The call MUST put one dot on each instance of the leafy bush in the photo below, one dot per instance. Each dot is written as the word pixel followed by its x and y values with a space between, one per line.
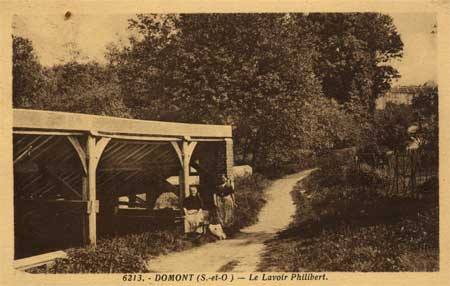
pixel 250 200
pixel 425 105
pixel 103 259
pixel 124 254
pixel 364 175
pixel 430 186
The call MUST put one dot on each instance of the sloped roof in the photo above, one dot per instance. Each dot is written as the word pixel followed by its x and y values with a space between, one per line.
pixel 47 166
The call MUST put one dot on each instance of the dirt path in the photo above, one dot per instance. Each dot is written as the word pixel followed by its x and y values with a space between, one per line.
pixel 242 253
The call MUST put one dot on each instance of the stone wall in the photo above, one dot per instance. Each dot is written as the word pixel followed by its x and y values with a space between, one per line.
pixel 214 159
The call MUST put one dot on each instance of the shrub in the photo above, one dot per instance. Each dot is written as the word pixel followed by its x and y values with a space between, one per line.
pixel 109 258
pixel 250 200
pixel 296 161
pixel 429 186
pixel 125 254
pixel 363 175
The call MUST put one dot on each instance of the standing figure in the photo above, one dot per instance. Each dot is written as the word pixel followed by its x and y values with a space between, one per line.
pixel 224 201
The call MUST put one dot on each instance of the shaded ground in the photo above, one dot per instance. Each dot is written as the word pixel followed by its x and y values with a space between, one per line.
pixel 343 227
pixel 241 253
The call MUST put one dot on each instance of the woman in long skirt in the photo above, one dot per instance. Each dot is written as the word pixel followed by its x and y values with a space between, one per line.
pixel 224 201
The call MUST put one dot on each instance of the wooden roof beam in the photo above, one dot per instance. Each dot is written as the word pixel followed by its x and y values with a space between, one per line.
pixel 126 157
pixel 63 121
pixel 46 132
pixel 43 150
pixel 60 181
pixel 147 152
pixel 28 147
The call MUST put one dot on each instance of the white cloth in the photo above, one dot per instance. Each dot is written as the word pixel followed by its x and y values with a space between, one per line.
pixel 167 200
pixel 194 220
pixel 217 230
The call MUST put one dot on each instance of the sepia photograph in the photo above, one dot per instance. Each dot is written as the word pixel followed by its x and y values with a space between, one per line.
pixel 239 142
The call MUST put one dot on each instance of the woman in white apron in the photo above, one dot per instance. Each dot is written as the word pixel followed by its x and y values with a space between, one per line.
pixel 225 202
pixel 194 219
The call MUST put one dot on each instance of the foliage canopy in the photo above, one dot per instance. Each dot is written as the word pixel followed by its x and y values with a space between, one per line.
pixel 286 82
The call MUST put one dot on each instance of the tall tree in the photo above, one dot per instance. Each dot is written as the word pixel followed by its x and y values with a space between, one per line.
pixel 254 71
pixel 28 78
pixel 354 54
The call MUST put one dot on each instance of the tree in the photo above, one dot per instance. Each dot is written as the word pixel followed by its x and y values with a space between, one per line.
pixel 354 52
pixel 254 71
pixel 83 87
pixel 265 74
pixel 391 127
pixel 262 73
pixel 425 105
pixel 28 78
pixel 72 86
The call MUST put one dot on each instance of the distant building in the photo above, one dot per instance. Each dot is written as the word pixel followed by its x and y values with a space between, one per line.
pixel 397 95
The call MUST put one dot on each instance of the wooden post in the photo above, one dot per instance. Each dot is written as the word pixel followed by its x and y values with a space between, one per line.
pixel 132 200
pixel 81 151
pixel 84 217
pixel 186 160
pixel 91 190
pixel 181 187
pixel 229 156
pixel 94 151
pixel 149 200
pixel 179 153
pixel 184 156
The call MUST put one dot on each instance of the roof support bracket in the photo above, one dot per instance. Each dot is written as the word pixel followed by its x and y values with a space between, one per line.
pixel 178 151
pixel 100 146
pixel 80 152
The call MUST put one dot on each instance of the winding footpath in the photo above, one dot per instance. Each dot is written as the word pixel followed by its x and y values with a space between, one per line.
pixel 243 252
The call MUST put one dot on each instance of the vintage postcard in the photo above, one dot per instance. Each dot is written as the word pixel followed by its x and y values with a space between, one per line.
pixel 224 143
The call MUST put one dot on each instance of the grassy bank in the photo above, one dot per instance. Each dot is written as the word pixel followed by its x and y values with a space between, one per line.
pixel 250 200
pixel 134 252
pixel 342 226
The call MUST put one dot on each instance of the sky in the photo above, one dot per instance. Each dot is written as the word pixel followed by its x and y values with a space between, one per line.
pixel 419 61
pixel 92 34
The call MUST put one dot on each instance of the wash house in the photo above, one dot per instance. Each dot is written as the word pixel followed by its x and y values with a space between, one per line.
pixel 71 171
